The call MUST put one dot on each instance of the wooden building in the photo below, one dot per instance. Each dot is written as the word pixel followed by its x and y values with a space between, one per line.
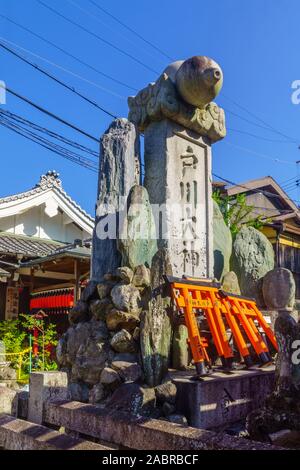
pixel 45 245
pixel 281 216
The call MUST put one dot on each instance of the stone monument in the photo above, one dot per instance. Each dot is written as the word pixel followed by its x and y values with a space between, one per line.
pixel 180 124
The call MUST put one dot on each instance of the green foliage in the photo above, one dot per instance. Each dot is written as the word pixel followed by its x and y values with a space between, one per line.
pixel 237 212
pixel 15 336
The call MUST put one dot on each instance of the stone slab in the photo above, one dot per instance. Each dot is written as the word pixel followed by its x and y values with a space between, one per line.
pixel 45 386
pixel 141 433
pixel 178 181
pixel 16 434
pixel 220 399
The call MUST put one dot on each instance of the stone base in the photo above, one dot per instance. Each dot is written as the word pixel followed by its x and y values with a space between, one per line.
pixel 220 399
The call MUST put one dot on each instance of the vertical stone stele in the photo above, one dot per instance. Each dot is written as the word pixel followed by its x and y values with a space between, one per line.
pixel 180 123
pixel 119 170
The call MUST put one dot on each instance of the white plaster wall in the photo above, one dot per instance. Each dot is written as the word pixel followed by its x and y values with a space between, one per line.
pixel 35 222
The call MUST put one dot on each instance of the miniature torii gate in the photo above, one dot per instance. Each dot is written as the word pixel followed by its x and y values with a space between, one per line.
pixel 220 308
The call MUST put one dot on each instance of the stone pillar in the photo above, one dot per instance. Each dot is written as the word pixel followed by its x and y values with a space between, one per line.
pixel 119 170
pixel 43 386
pixel 179 163
pixel 180 124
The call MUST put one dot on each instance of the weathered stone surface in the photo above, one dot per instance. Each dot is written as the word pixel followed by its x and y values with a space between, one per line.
pixel 155 336
pixel 109 377
pixel 166 392
pixel 180 349
pixel 104 289
pixel 118 320
pixel 128 371
pixel 8 401
pixel 133 399
pixel 43 386
pixel 222 243
pixel 125 357
pixel 136 334
pixel 118 172
pixel 178 162
pixel 123 342
pixel 168 408
pixel 79 391
pixel 279 289
pixel 142 276
pixel 137 241
pixel 125 274
pixel 97 394
pixel 178 419
pixel 79 313
pixel 126 298
pixel 287 332
pixel 230 283
pixel 84 349
pixel 8 375
pixel 90 292
pixel 100 308
pixel 252 258
pixel 199 80
pixel 18 434
pixel 142 434
pixel 161 100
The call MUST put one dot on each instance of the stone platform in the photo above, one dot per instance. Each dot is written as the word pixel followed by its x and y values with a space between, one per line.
pixel 221 399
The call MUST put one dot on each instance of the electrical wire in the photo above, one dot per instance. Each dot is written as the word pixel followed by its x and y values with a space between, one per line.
pixel 132 31
pixel 57 80
pixel 49 145
pixel 50 114
pixel 96 36
pixel 114 31
pixel 72 143
pixel 82 62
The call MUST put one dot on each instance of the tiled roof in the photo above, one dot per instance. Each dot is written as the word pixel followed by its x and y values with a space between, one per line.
pixel 27 246
pixel 48 181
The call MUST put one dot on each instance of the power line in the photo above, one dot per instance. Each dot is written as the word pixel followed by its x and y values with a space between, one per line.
pixel 72 143
pixel 82 62
pixel 68 152
pixel 54 116
pixel 258 136
pixel 258 118
pixel 261 155
pixel 57 80
pixel 100 21
pixel 91 33
pixel 146 41
pixel 65 153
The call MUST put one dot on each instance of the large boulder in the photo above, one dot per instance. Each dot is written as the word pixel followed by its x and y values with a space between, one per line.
pixel 79 313
pixel 118 320
pixel 128 371
pixel 126 298
pixel 84 349
pixel 133 399
pixel 279 289
pixel 222 243
pixel 137 241
pixel 252 258
pixel 122 342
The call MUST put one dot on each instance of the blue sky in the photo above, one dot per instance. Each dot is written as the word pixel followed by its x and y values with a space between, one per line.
pixel 256 43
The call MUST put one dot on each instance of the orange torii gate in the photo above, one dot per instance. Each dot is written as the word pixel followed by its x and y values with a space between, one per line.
pixel 222 310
